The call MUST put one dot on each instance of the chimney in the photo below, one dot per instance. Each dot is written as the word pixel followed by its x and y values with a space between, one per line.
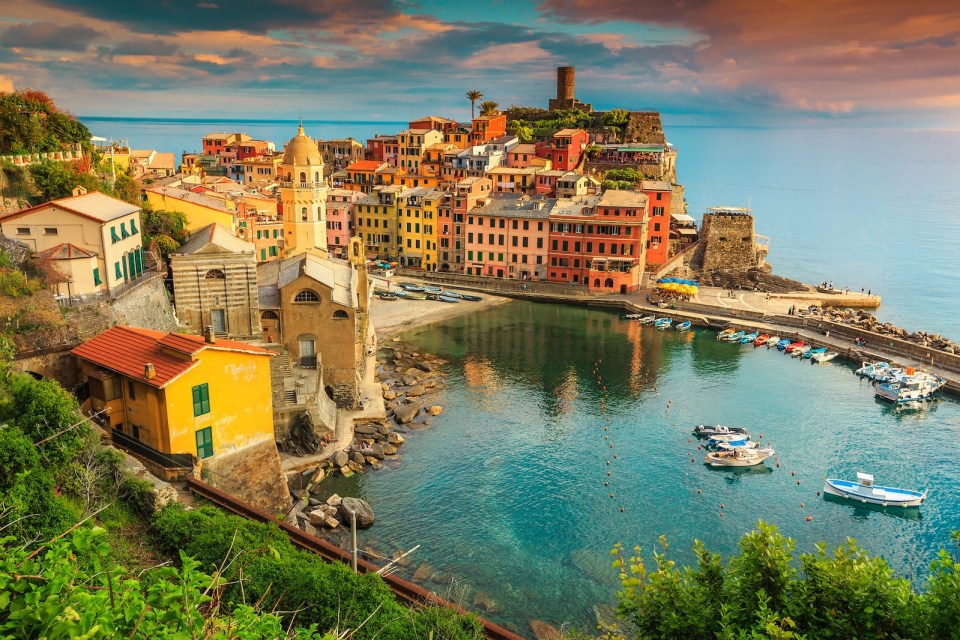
pixel 149 373
pixel 208 336
pixel 78 191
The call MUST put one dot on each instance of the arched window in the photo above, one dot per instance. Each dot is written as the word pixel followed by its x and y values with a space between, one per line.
pixel 596 283
pixel 289 177
pixel 306 296
pixel 316 176
pixel 340 313
pixel 303 176
pixel 215 274
pixel 269 315
pixel 303 214
pixel 608 283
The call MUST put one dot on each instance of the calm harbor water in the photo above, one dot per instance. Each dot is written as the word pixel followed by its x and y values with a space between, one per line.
pixel 506 491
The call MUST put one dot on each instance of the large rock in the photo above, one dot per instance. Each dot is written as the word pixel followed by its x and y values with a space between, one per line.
pixel 435 410
pixel 389 394
pixel 544 631
pixel 404 413
pixel 340 459
pixel 424 366
pixel 423 573
pixel 357 457
pixel 334 500
pixel 361 508
pixel 389 450
pixel 395 439
pixel 365 429
pixel 416 391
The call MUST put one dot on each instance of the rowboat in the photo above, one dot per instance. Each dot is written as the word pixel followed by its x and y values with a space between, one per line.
pixel 738 457
pixel 452 294
pixel 633 316
pixel 748 338
pixel 734 337
pixel 820 358
pixel 783 344
pixel 648 319
pixel 812 352
pixel 761 339
pixel 726 333
pixel 409 286
pixel 471 298
pixel 431 289
pixel 799 352
pixel 663 323
pixel 683 326
pixel 705 430
pixel 772 341
pixel 863 490
pixel 793 346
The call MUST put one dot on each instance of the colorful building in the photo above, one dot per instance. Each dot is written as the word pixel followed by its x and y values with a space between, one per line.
pixel 94 239
pixel 487 128
pixel 599 242
pixel 418 211
pixel 452 212
pixel 659 195
pixel 411 144
pixel 303 197
pixel 338 154
pixel 364 175
pixel 521 180
pixel 199 209
pixel 340 219
pixel 262 168
pixel 565 149
pixel 376 147
pixel 506 236
pixel 377 218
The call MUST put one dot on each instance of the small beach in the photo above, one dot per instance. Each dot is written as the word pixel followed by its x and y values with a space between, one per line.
pixel 390 317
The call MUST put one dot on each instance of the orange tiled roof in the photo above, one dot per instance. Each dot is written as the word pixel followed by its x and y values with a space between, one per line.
pixel 364 165
pixel 127 349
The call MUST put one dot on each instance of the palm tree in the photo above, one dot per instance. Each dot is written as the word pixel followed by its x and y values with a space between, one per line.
pixel 488 107
pixel 473 95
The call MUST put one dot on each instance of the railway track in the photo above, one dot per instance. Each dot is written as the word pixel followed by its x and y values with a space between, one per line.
pixel 410 593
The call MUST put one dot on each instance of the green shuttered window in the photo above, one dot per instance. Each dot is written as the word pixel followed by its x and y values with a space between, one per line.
pixel 201 400
pixel 205 442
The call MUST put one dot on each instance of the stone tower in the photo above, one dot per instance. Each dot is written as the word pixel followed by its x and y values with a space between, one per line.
pixel 728 239
pixel 566 98
pixel 303 194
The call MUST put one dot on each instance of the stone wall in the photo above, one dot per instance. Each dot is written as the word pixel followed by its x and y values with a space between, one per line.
pixel 235 294
pixel 728 242
pixel 146 306
pixel 252 474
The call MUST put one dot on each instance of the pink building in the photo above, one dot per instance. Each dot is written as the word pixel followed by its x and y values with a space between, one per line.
pixel 340 225
pixel 547 182
pixel 451 216
pixel 566 148
pixel 506 237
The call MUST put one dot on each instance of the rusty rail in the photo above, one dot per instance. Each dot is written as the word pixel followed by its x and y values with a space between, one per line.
pixel 408 592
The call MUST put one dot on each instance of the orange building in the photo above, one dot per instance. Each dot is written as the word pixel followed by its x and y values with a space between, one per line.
pixel 659 194
pixel 487 128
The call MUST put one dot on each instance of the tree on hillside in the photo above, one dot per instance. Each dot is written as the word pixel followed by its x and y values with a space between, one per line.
pixel 30 122
pixel 488 107
pixel 522 129
pixel 473 95
pixel 167 228
pixel 58 179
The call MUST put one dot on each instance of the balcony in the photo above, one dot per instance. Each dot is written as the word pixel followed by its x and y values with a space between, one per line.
pixel 302 185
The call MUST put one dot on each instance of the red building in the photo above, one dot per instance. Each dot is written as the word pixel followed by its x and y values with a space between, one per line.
pixel 487 128
pixel 659 194
pixel 599 242
pixel 565 150
pixel 376 147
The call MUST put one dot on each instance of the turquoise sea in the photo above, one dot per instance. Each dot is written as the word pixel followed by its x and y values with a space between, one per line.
pixel 506 490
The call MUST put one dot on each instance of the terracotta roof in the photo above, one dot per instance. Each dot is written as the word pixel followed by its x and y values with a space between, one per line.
pixel 364 165
pixel 64 251
pixel 127 349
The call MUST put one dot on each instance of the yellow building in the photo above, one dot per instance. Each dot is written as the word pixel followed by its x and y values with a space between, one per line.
pixel 200 209
pixel 411 145
pixel 171 397
pixel 417 227
pixel 376 218
pixel 303 195
pixel 93 239
pixel 262 168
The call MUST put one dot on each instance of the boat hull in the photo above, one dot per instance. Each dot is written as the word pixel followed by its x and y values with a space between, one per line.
pixel 738 458
pixel 883 496
pixel 704 430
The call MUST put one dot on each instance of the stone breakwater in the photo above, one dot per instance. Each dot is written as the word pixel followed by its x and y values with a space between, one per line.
pixel 868 322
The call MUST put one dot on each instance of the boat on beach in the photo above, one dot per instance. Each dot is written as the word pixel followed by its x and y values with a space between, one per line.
pixel 683 326
pixel 706 430
pixel 738 457
pixel 410 286
pixel 863 490
pixel 432 289
pixel 471 298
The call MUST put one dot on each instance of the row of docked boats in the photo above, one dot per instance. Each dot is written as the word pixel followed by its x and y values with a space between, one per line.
pixel 663 322
pixel 732 447
pixel 796 348
pixel 412 291
pixel 901 384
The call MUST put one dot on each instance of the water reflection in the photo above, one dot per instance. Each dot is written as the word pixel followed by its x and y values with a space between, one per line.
pixel 862 511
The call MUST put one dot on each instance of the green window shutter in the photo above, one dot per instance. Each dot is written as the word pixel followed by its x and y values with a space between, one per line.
pixel 259 233
pixel 201 400
pixel 263 254
pixel 133 227
pixel 113 234
pixel 204 442
pixel 123 230
pixel 276 233
pixel 116 267
pixel 469 255
pixel 96 276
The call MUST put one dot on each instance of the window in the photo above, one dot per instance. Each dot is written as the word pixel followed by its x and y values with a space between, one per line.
pixel 52 231
pixel 205 443
pixel 273 251
pixel 23 231
pixel 215 274
pixel 306 295
pixel 201 399
pixel 303 214
pixel 263 254
pixel 340 314
pixel 132 389
pixel 116 268
pixel 96 276
pixel 539 243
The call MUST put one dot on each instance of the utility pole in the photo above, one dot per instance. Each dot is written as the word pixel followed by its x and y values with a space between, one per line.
pixel 353 536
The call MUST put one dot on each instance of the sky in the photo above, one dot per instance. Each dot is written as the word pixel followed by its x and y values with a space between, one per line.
pixel 877 63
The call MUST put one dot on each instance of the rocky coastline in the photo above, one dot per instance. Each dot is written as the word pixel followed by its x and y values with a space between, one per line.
pixel 868 322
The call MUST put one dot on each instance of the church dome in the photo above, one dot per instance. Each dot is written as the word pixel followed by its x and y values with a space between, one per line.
pixel 302 150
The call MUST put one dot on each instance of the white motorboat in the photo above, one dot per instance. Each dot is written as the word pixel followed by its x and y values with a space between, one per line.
pixel 633 316
pixel 738 457
pixel 648 319
pixel 869 369
pixel 910 387
pixel 863 490
pixel 827 356
pixel 772 341
pixel 708 431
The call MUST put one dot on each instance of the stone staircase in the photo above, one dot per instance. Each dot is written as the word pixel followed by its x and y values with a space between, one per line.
pixel 280 370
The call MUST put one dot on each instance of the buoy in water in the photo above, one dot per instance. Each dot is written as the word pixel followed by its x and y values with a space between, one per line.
pixel 809 518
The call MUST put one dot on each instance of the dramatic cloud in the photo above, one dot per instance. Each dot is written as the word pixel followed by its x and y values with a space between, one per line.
pixel 46 35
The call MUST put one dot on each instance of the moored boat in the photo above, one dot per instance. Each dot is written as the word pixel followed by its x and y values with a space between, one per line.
pixel 793 346
pixel 869 369
pixel 725 333
pixel 452 294
pixel 706 430
pixel 910 387
pixel 772 341
pixel 663 323
pixel 432 289
pixel 683 326
pixel 820 358
pixel 471 298
pixel 812 352
pixel 648 319
pixel 734 337
pixel 730 441
pixel 863 490
pixel 783 344
pixel 738 457
pixel 747 338
pixel 799 352
pixel 761 339
pixel 410 286
pixel 633 316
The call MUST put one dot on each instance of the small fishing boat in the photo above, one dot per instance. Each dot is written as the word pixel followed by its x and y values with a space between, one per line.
pixel 663 323
pixel 738 457
pixel 452 294
pixel 648 319
pixel 734 337
pixel 783 344
pixel 793 346
pixel 772 341
pixel 683 326
pixel 870 369
pixel 726 333
pixel 414 295
pixel 820 358
pixel 471 297
pixel 863 490
pixel 633 316
pixel 761 339
pixel 706 430
pixel 748 338
pixel 812 352
pixel 910 387
pixel 443 297
pixel 799 352
pixel 387 296
pixel 717 442
pixel 431 289
pixel 410 286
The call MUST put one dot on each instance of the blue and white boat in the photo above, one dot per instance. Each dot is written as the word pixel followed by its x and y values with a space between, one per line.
pixel 728 441
pixel 812 352
pixel 432 289
pixel 910 387
pixel 663 323
pixel 734 337
pixel 452 294
pixel 863 490
pixel 821 358
pixel 707 430
pixel 410 286
pixel 870 369
pixel 783 344
pixel 633 316
pixel 748 338
pixel 683 326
